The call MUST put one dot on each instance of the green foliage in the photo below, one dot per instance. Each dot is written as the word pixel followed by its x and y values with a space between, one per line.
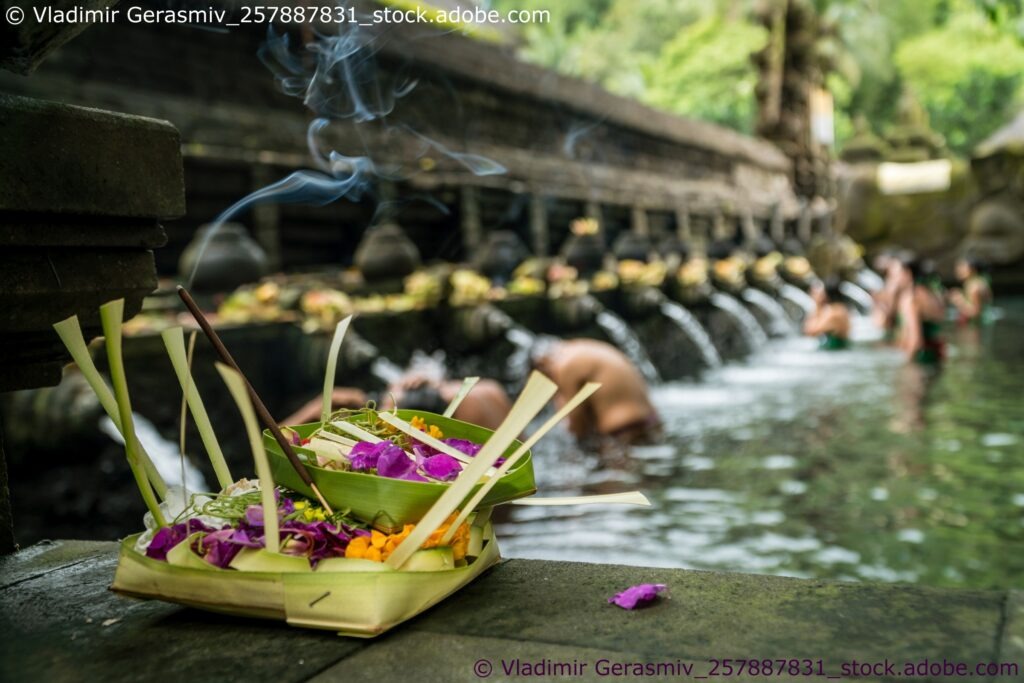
pixel 967 75
pixel 959 58
pixel 705 72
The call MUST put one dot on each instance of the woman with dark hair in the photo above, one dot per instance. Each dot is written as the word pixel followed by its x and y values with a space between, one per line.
pixel 830 322
pixel 921 313
pixel 975 295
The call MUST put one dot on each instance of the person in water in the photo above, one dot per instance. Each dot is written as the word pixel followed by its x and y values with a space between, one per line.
pixel 621 409
pixel 830 322
pixel 486 405
pixel 884 313
pixel 341 397
pixel 974 295
pixel 921 313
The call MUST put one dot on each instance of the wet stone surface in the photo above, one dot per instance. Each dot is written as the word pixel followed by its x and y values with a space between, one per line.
pixel 61 623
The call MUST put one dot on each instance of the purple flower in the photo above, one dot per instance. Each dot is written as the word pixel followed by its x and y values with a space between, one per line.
pixel 441 466
pixel 364 455
pixel 395 464
pixel 464 445
pixel 254 515
pixel 637 596
pixel 170 536
pixel 220 547
pixel 317 540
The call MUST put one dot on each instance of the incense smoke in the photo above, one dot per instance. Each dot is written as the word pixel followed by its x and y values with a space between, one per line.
pixel 338 80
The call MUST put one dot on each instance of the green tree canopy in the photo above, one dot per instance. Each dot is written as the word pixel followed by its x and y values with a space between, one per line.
pixel 961 59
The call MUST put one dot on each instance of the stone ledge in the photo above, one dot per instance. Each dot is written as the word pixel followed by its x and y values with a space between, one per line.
pixel 62 623
pixel 74 160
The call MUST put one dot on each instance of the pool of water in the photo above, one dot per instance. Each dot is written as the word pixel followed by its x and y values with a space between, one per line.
pixel 798 462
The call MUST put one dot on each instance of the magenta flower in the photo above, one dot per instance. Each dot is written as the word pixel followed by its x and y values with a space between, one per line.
pixel 464 445
pixel 442 467
pixel 170 536
pixel 395 464
pixel 637 596
pixel 364 455
pixel 220 547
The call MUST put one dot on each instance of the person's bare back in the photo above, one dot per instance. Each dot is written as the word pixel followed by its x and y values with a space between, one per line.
pixel 620 407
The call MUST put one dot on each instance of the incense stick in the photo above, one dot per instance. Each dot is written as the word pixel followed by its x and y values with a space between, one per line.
pixel 237 386
pixel 539 389
pixel 570 405
pixel 261 410
pixel 332 368
pixel 467 386
pixel 174 341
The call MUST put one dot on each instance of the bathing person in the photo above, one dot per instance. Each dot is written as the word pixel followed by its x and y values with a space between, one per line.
pixel 975 294
pixel 884 313
pixel 921 313
pixel 830 322
pixel 342 397
pixel 487 404
pixel 621 409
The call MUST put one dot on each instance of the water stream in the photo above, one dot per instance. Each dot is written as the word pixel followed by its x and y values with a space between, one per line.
pixel 385 370
pixel 623 336
pixel 751 330
pixel 869 280
pixel 166 454
pixel 518 362
pixel 780 323
pixel 857 295
pixel 691 327
pixel 798 297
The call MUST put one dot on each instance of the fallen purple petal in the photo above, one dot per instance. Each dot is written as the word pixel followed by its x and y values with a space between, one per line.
pixel 637 596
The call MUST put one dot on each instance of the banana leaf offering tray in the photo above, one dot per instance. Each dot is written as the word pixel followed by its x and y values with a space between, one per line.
pixel 355 523
pixel 348 471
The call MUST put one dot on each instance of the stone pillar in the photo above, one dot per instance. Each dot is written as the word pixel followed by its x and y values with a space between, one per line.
pixel 684 228
pixel 750 230
pixel 719 226
pixel 472 227
pixel 592 209
pixel 639 222
pixel 778 225
pixel 805 223
pixel 266 220
pixel 540 236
